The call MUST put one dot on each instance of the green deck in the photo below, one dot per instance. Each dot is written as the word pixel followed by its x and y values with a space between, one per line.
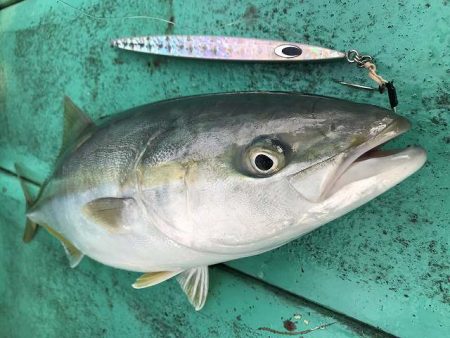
pixel 383 269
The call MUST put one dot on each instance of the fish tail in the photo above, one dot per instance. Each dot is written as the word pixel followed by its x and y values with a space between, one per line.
pixel 30 226
pixel 30 230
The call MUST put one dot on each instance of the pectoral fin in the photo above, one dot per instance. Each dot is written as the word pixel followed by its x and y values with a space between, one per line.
pixel 195 284
pixel 73 254
pixel 109 212
pixel 153 278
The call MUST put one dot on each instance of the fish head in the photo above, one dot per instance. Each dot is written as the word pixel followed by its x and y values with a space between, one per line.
pixel 279 169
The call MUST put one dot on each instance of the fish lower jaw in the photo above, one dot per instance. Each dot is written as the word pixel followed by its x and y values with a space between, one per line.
pixel 367 151
pixel 367 178
pixel 361 182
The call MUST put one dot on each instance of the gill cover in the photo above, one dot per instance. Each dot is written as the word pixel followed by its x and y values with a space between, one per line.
pixel 212 206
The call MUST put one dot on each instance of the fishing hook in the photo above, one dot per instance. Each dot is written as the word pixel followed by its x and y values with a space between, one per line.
pixel 366 61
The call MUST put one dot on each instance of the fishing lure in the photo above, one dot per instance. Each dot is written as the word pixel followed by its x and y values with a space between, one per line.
pixel 247 49
pixel 226 48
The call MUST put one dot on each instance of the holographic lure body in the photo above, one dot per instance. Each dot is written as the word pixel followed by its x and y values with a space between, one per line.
pixel 226 48
pixel 252 50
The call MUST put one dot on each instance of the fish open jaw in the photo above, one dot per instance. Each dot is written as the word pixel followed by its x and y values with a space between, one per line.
pixel 368 160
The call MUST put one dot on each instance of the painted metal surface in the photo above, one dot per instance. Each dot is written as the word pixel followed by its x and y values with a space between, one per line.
pixel 7 3
pixel 226 48
pixel 385 264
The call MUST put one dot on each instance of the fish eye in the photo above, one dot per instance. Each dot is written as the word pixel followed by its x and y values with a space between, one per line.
pixel 264 162
pixel 265 157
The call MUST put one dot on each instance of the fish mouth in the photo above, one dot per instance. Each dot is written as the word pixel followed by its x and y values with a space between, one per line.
pixel 368 160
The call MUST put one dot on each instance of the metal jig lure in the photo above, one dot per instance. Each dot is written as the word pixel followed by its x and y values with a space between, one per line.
pixel 246 49
pixel 226 48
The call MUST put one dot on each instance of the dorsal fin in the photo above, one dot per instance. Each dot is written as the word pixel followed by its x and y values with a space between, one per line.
pixel 75 122
pixel 109 212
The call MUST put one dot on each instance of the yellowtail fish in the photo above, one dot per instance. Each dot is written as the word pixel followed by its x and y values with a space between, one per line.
pixel 169 188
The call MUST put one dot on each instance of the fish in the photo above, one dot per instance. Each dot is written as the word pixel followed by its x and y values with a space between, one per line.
pixel 226 48
pixel 169 188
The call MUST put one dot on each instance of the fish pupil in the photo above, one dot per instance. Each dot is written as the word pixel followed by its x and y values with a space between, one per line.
pixel 263 162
